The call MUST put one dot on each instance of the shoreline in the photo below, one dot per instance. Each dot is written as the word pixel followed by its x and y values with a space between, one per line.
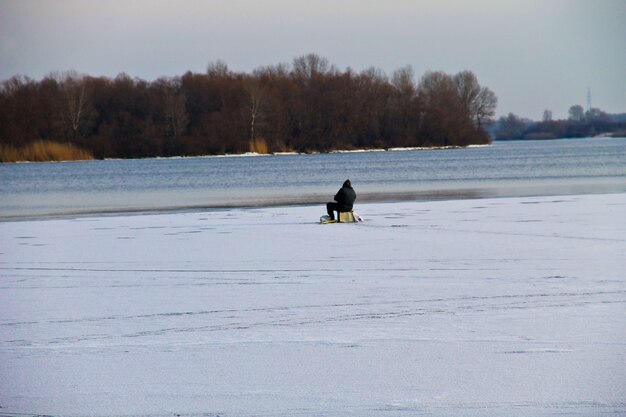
pixel 256 154
pixel 330 152
pixel 365 199
pixel 335 151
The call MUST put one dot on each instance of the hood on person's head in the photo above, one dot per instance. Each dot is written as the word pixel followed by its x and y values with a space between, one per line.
pixel 347 183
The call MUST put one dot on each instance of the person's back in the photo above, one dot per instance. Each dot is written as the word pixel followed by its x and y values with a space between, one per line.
pixel 345 198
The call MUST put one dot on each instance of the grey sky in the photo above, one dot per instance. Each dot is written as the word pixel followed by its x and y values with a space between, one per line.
pixel 534 54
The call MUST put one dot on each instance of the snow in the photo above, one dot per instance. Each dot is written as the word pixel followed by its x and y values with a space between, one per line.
pixel 451 308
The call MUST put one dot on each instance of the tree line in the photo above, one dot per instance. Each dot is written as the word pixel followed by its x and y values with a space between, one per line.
pixel 308 106
pixel 579 124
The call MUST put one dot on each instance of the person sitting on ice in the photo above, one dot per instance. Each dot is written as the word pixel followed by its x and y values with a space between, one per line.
pixel 344 199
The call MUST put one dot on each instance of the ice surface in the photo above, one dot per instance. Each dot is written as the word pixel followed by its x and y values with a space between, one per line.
pixel 499 307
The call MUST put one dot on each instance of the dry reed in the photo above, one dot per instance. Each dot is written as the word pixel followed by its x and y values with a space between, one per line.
pixel 259 145
pixel 43 151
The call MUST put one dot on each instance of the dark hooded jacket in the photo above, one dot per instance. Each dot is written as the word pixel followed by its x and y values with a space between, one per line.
pixel 346 196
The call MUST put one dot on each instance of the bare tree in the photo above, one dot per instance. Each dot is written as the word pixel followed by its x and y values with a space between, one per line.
pixel 176 114
pixel 596 115
pixel 307 66
pixel 272 71
pixel 403 80
pixel 510 127
pixel 14 84
pixel 403 109
pixel 485 108
pixel 479 102
pixel 443 117
pixel 433 83
pixel 174 109
pixel 76 96
pixel 217 68
pixel 547 116
pixel 376 75
pixel 255 94
pixel 577 113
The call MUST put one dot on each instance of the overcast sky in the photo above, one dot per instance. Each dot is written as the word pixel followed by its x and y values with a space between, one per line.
pixel 534 54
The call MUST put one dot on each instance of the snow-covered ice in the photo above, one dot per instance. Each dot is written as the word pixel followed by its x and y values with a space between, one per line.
pixel 495 307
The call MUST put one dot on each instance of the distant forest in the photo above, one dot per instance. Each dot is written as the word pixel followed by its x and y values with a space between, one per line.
pixel 579 124
pixel 308 106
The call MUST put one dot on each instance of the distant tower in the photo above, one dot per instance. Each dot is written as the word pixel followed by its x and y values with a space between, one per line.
pixel 588 99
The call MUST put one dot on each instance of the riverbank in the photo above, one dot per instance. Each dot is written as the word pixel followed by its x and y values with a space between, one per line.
pixel 489 307
pixel 56 152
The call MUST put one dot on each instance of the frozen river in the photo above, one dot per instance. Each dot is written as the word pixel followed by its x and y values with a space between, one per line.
pixel 489 307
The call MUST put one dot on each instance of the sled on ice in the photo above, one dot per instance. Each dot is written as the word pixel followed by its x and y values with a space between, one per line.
pixel 344 217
